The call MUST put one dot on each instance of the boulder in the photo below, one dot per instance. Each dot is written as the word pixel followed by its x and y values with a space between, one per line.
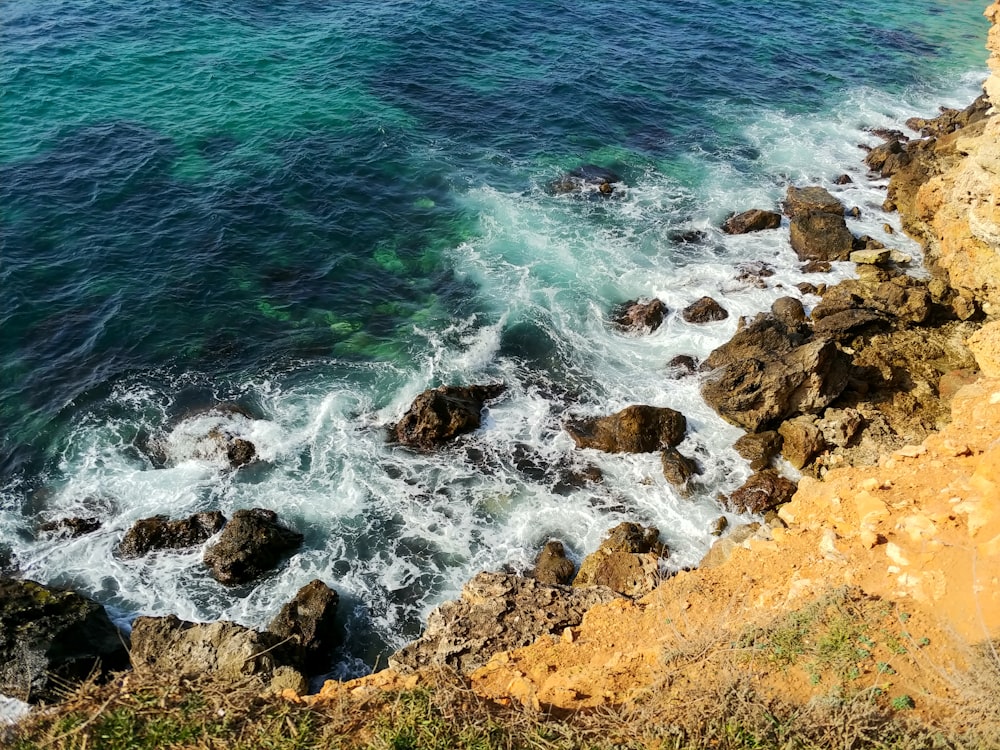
pixel 817 235
pixel 844 179
pixel 588 179
pixel 168 645
pixel 758 393
pixel 50 637
pixel 627 562
pixel 789 312
pixel 814 198
pixel 159 532
pixel 802 441
pixel 873 257
pixel 637 316
pixel 754 220
pixel 762 492
pixel 552 566
pixel 69 528
pixel 308 620
pixel 441 414
pixel 251 544
pixel 681 365
pixel 847 323
pixel 496 612
pixel 759 448
pixel 704 310
pixel 888 158
pixel 635 429
pixel 677 468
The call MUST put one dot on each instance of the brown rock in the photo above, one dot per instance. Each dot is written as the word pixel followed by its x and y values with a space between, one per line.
pixel 159 532
pixel 840 426
pixel 762 492
pixel 817 235
pixel 722 550
pixel 626 562
pixel 70 528
pixel 552 566
pixel 802 441
pixel 681 365
pixel 251 544
pixel 844 179
pixel 635 429
pixel 759 448
pixel 704 310
pixel 789 312
pixel 677 468
pixel 439 415
pixel 636 316
pixel 754 220
pixel 816 266
pixel 800 201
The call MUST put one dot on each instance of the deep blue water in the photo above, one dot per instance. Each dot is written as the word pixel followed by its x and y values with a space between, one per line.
pixel 319 209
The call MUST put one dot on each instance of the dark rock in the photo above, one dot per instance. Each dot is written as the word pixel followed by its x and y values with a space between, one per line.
pixel 806 288
pixel 635 429
pixel 754 273
pixel 636 316
pixel 844 179
pixel 308 620
pixel 552 566
pixel 816 266
pixel 570 479
pixel 812 199
pixel 497 612
pixel 70 528
pixel 168 645
pixel 682 364
pixel 587 178
pixel 441 414
pixel 754 220
pixel 626 562
pixel 802 441
pixel 816 235
pixel 677 468
pixel 888 158
pixel 719 525
pixel 687 236
pixel 762 492
pixel 251 544
pixel 789 312
pixel 704 310
pixel 854 212
pixel 759 448
pixel 847 323
pixel 50 637
pixel 240 452
pixel 159 532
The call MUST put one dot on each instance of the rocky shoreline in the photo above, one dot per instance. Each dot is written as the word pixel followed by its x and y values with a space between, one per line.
pixel 885 396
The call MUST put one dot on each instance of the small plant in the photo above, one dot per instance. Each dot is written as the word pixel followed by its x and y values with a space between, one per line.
pixel 885 668
pixel 902 703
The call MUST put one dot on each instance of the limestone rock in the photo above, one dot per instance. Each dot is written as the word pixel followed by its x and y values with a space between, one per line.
pixel 677 468
pixel 635 429
pixel 813 198
pixel 49 637
pixel 251 544
pixel 802 441
pixel 763 491
pixel 704 310
pixel 496 612
pixel 159 532
pixel 309 621
pixel 754 220
pixel 441 414
pixel 985 347
pixel 822 236
pixel 722 549
pixel 626 562
pixel 759 448
pixel 874 257
pixel 552 566
pixel 636 316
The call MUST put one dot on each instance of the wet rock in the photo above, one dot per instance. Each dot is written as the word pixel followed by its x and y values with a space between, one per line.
pixel 169 645
pixel 762 492
pixel 802 441
pixel 496 612
pixel 817 235
pixel 754 220
pixel 704 310
pixel 626 562
pixel 587 179
pixel 812 199
pixel 806 288
pixel 441 414
pixel 888 158
pixel 681 365
pixel 552 566
pixel 754 273
pixel 844 179
pixel 69 528
pixel 677 468
pixel 950 119
pixel 50 637
pixel 635 429
pixel 159 532
pixel 240 452
pixel 759 448
pixel 216 433
pixel 789 312
pixel 637 316
pixel 816 266
pixel 719 525
pixel 250 545
pixel 308 621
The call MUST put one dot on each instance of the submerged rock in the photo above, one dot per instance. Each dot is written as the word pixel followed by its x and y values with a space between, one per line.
pixel 441 414
pixel 70 528
pixel 159 532
pixel 635 429
pixel 50 637
pixel 588 179
pixel 251 544
pixel 636 316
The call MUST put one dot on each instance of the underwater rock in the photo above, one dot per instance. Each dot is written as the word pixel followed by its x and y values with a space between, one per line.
pixel 587 178
pixel 636 316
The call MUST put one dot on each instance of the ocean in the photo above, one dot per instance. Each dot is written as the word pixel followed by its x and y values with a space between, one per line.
pixel 318 210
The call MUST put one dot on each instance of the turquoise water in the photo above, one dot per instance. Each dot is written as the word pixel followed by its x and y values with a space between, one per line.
pixel 319 209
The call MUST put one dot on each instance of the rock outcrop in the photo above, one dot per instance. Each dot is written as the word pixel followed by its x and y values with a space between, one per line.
pixel 439 415
pixel 754 220
pixel 309 622
pixel 552 566
pixel 627 562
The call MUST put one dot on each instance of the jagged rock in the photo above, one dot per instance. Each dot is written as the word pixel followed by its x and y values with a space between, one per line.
pixel 762 492
pixel 49 637
pixel 753 273
pixel 169 645
pixel 719 525
pixel 888 158
pixel 822 236
pixel 704 310
pixel 839 426
pixel 496 612
pixel 846 323
pixel 844 179
pixel 635 429
pixel 762 338
pixel 789 312
pixel 308 620
pixel 816 266
pixel 802 441
pixel 806 288
pixel 677 468
pixel 873 257
pixel 636 316
pixel 552 566
pixel 757 393
pixel 681 365
pixel 950 119
pixel 588 179
pixel 216 433
pixel 251 544
pixel 159 532
pixel 626 562
pixel 754 220
pixel 70 528
pixel 441 414
pixel 814 198
pixel 759 448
